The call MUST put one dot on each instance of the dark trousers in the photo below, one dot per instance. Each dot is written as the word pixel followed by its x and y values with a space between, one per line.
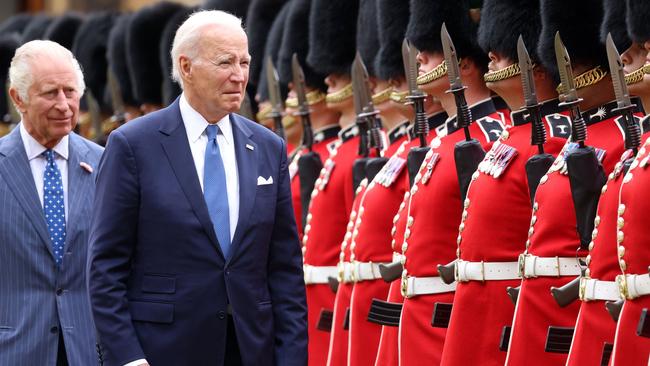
pixel 233 356
pixel 61 357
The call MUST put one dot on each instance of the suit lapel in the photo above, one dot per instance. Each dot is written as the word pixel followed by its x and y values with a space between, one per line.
pixel 15 169
pixel 247 170
pixel 80 185
pixel 174 142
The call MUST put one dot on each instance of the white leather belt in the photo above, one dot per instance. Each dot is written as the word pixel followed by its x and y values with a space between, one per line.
pixel 486 271
pixel 345 272
pixel 315 275
pixel 415 286
pixel 531 266
pixel 398 257
pixel 366 271
pixel 633 286
pixel 593 289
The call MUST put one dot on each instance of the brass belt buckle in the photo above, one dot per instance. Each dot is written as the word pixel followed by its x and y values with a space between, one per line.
pixel 621 281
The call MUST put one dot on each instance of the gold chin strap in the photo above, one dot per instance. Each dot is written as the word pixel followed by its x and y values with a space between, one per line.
pixel 382 96
pixel 264 113
pixel 339 96
pixel 506 73
pixel 435 74
pixel 586 79
pixel 399 97
pixel 313 97
pixel 637 75
pixel 288 121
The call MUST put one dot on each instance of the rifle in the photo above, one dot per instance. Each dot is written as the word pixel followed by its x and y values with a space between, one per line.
pixel 274 95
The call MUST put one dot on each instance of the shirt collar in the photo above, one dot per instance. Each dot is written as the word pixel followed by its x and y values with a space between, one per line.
pixel 34 149
pixel 195 124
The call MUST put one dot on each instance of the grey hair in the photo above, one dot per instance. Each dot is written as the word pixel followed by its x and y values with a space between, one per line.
pixel 188 35
pixel 20 70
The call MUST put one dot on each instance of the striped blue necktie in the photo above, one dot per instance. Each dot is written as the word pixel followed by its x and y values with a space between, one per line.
pixel 53 206
pixel 215 191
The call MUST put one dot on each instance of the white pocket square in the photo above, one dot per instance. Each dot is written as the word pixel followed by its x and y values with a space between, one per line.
pixel 262 182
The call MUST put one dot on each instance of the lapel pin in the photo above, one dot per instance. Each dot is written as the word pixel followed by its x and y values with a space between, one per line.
pixel 86 167
pixel 250 147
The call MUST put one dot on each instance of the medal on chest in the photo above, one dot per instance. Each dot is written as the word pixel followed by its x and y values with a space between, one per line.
pixel 497 160
pixel 560 162
pixel 389 173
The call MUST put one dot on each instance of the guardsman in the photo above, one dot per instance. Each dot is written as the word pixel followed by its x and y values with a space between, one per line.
pixel 497 208
pixel 370 245
pixel 632 340
pixel 331 51
pixel 427 225
pixel 542 328
pixel 323 121
pixel 142 44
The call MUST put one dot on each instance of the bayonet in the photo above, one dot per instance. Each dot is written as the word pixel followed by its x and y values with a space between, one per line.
pixel 538 134
pixel 95 116
pixel 274 96
pixel 463 113
pixel 409 58
pixel 303 104
pixel 624 104
pixel 361 88
pixel 569 94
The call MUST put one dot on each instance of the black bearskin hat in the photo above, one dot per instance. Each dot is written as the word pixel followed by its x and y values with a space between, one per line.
pixel 8 44
pixel 425 23
pixel 392 20
pixel 502 21
pixel 15 24
pixel 637 20
pixel 116 54
pixel 142 45
pixel 261 14
pixel 89 48
pixel 578 22
pixel 36 28
pixel 614 23
pixel 367 39
pixel 237 8
pixel 272 47
pixel 332 30
pixel 63 29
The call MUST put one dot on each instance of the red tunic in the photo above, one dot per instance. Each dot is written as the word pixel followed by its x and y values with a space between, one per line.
pixel 634 249
pixel 371 242
pixel 430 226
pixel 493 229
pixel 322 139
pixel 388 350
pixel 329 212
pixel 554 234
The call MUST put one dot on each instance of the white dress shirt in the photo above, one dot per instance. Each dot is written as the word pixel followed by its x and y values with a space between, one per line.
pixel 195 126
pixel 38 162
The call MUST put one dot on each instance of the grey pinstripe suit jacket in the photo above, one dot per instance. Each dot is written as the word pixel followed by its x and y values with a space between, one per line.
pixel 30 305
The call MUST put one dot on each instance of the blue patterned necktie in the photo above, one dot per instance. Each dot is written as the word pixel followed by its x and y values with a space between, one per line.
pixel 215 190
pixel 53 206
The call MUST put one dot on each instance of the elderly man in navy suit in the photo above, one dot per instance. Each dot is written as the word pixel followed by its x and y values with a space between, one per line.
pixel 194 254
pixel 47 182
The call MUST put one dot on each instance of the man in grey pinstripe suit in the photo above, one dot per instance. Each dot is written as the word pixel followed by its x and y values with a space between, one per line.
pixel 47 184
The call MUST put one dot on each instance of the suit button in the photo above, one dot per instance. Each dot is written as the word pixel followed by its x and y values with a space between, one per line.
pixel 54 329
pixel 59 291
pixel 222 315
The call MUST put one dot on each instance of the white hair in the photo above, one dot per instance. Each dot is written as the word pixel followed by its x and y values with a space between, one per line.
pixel 188 35
pixel 20 70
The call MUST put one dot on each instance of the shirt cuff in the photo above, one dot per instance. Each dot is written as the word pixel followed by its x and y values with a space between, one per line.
pixel 136 362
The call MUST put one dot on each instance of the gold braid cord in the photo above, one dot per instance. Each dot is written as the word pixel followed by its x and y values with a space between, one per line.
pixel 435 74
pixel 506 73
pixel 586 79
pixel 288 121
pixel 399 97
pixel 339 96
pixel 382 96
pixel 313 97
pixel 635 76
pixel 264 113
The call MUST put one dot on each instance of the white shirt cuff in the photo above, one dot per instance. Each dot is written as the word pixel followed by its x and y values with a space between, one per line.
pixel 136 362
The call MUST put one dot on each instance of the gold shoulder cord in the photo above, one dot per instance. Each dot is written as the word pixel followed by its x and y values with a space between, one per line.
pixel 586 79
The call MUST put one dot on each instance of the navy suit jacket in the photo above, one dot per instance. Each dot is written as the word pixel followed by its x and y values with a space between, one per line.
pixel 158 281
pixel 36 296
